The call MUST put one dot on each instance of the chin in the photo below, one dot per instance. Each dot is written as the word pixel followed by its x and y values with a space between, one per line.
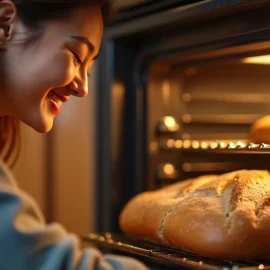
pixel 42 129
pixel 40 125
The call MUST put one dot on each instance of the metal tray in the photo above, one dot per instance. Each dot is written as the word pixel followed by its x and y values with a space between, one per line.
pixel 169 256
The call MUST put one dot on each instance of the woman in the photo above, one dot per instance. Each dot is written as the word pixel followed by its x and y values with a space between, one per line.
pixel 46 51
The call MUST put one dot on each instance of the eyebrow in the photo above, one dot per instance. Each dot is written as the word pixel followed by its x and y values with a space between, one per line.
pixel 86 41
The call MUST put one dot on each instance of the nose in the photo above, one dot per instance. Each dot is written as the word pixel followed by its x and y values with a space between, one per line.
pixel 79 86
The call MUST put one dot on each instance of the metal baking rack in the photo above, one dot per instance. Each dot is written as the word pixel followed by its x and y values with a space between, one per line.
pixel 168 256
pixel 232 147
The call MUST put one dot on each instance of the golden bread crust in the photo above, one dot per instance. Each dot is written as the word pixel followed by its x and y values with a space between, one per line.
pixel 226 216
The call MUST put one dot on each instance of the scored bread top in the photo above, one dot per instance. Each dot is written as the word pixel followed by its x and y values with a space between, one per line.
pixel 226 216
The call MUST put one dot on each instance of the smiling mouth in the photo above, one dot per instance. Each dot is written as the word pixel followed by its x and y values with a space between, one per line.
pixel 56 99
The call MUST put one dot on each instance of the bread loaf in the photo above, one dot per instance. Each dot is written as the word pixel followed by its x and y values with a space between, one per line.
pixel 225 216
pixel 260 130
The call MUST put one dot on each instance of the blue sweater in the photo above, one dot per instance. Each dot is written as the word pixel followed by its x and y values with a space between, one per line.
pixel 27 243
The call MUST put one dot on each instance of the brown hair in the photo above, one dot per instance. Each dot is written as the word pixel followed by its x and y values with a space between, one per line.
pixel 9 139
pixel 33 13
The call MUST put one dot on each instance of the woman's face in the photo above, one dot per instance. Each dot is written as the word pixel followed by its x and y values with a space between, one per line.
pixel 40 77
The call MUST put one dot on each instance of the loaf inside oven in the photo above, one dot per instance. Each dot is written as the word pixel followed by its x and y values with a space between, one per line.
pixel 225 216
pixel 260 130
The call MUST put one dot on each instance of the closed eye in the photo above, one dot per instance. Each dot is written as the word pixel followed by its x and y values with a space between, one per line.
pixel 78 60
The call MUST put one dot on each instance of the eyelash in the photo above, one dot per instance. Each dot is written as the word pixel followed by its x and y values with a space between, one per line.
pixel 78 61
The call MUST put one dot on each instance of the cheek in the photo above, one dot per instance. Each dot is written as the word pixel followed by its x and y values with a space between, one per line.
pixel 59 72
pixel 39 70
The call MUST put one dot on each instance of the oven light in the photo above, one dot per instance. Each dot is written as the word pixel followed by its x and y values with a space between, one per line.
pixel 169 169
pixel 169 121
pixel 214 145
pixel 187 167
pixel 261 60
pixel 186 97
pixel 222 145
pixel 167 172
pixel 204 145
pixel 167 124
pixel 195 144
pixel 178 144
pixel 186 144
pixel 241 144
pixel 232 145
pixel 261 266
pixel 170 143
pixel 187 118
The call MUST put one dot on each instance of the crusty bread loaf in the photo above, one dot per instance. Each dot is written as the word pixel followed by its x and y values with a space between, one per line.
pixel 260 130
pixel 226 216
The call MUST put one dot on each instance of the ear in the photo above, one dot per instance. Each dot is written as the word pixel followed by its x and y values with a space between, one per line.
pixel 8 18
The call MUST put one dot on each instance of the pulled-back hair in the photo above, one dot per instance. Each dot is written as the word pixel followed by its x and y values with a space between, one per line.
pixel 34 14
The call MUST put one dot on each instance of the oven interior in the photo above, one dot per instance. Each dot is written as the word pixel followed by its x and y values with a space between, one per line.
pixel 199 112
pixel 177 102
pixel 201 103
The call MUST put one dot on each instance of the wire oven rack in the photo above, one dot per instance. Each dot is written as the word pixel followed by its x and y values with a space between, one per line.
pixel 178 259
pixel 231 147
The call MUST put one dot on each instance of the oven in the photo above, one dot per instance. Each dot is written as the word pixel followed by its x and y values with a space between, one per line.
pixel 179 85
